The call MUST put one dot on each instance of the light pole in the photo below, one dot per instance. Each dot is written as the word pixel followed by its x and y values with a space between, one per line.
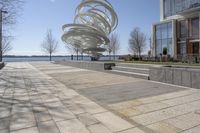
pixel 1 29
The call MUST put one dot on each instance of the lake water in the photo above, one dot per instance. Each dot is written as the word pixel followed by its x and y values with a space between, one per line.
pixel 62 58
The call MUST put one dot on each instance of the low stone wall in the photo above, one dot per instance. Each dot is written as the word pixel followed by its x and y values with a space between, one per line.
pixel 96 66
pixel 188 77
pixel 1 65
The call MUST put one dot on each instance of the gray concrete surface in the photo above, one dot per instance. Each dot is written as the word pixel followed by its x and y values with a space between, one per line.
pixel 41 97
pixel 188 77
pixel 97 66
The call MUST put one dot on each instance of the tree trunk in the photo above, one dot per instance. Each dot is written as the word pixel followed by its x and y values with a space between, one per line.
pixel 50 57
pixel 109 56
pixel 77 54
pixel 114 55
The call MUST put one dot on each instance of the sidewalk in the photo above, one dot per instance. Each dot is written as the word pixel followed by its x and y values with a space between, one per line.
pixel 48 98
pixel 32 102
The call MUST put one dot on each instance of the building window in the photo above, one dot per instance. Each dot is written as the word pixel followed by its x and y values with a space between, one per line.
pixel 164 38
pixel 181 5
pixel 178 5
pixel 183 29
pixel 168 8
pixel 183 50
pixel 195 28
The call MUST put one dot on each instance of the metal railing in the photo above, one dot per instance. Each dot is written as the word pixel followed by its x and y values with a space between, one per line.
pixel 189 58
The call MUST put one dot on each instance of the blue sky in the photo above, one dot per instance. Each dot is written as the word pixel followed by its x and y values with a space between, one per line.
pixel 40 15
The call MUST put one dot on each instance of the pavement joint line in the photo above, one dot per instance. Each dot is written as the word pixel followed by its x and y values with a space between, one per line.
pixel 107 85
pixel 168 119
pixel 189 129
pixel 170 99
pixel 173 85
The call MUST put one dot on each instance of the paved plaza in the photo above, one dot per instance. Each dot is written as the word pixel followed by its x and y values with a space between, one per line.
pixel 42 97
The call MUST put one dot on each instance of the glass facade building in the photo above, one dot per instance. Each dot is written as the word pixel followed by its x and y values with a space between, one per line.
pixel 172 7
pixel 163 37
pixel 178 30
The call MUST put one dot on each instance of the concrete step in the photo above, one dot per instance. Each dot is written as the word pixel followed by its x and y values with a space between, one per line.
pixel 130 74
pixel 145 66
pixel 131 69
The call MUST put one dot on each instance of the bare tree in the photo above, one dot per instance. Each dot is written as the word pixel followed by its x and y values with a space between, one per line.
pixel 114 44
pixel 74 49
pixel 49 45
pixel 137 42
pixel 10 10
pixel 6 45
pixel 13 8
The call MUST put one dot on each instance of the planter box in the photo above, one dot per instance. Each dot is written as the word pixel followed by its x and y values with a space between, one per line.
pixel 96 66
pixel 183 76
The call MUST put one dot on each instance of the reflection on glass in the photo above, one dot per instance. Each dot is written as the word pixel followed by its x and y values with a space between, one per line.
pixel 183 48
pixel 183 29
pixel 164 38
pixel 171 7
pixel 195 28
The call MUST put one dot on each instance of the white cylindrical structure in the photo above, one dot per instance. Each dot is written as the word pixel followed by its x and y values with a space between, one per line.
pixel 94 21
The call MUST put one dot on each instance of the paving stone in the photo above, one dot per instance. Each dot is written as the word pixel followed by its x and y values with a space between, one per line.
pixel 21 109
pixel 5 113
pixel 113 122
pixel 27 130
pixel 72 126
pixel 4 123
pixel 151 107
pixel 185 122
pixel 48 127
pixel 98 128
pixel 162 127
pixel 4 131
pixel 179 94
pixel 42 116
pixel 75 108
pixel 181 100
pixel 39 108
pixel 133 130
pixel 59 114
pixel 163 114
pixel 124 105
pixel 49 98
pixel 22 120
pixel 92 108
pixel 129 112
pixel 156 116
pixel 87 119
pixel 152 99
pixel 193 130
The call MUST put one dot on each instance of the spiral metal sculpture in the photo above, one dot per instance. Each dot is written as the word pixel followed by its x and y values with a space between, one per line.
pixel 94 21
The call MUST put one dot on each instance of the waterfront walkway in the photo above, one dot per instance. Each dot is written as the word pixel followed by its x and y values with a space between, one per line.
pixel 42 97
